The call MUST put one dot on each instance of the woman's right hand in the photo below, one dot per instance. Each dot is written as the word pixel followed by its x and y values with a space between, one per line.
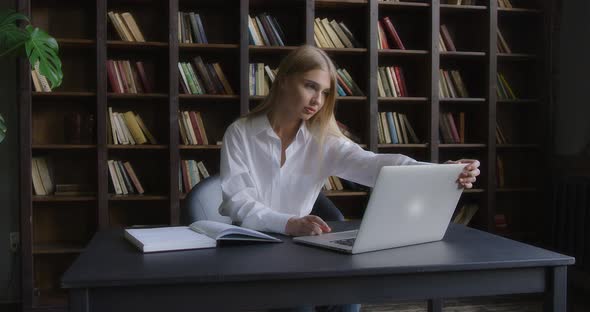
pixel 308 225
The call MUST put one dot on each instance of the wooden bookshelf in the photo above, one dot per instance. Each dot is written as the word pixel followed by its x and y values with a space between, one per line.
pixel 87 40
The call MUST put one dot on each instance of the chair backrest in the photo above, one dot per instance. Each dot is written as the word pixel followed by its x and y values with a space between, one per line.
pixel 202 202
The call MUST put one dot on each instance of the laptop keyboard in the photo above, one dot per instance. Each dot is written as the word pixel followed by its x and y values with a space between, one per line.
pixel 345 242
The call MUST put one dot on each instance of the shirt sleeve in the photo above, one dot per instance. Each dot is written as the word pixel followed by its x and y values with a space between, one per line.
pixel 238 188
pixel 350 161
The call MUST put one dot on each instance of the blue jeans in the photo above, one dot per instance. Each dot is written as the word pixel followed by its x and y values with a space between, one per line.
pixel 335 308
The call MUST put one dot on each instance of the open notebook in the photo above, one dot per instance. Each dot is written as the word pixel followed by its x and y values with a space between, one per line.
pixel 200 234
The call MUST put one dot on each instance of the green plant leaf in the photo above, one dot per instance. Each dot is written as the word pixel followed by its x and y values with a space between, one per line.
pixel 2 128
pixel 44 49
pixel 11 36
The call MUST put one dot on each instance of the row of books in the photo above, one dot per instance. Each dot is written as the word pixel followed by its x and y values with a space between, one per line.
pixel 500 137
pixel 502 44
pixel 445 41
pixel 191 172
pixel 128 77
pixel 391 82
pixel 261 78
pixel 349 133
pixel 346 85
pixel 333 34
pixel 190 28
pixel 42 182
pixel 265 30
pixel 452 132
pixel 385 31
pixel 192 128
pixel 466 213
pixel 123 178
pixel 39 81
pixel 333 183
pixel 127 128
pixel 199 77
pixel 395 128
pixel 460 2
pixel 451 84
pixel 504 91
pixel 126 26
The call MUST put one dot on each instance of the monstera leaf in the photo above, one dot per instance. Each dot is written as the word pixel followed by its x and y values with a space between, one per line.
pixel 11 36
pixel 42 49
pixel 2 129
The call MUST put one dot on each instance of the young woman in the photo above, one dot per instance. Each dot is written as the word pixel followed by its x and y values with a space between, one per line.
pixel 275 160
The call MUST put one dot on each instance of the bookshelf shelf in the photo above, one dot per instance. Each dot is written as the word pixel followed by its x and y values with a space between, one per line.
pixel 62 95
pixel 399 52
pixel 208 47
pixel 58 199
pixel 63 146
pixel 113 197
pixel 88 40
pixel 517 190
pixel 199 147
pixel 137 147
pixel 518 11
pixel 136 96
pixel 404 146
pixel 463 146
pixel 462 54
pixel 57 248
pixel 118 44
pixel 344 193
pixel 462 8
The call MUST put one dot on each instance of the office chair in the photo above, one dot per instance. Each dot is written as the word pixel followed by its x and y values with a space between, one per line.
pixel 202 203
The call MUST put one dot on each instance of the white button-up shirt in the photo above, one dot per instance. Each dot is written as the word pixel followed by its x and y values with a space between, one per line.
pixel 260 194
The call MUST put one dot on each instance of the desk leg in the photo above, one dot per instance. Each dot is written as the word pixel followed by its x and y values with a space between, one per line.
pixel 556 290
pixel 435 305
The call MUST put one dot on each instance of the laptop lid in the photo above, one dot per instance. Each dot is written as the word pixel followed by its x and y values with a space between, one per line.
pixel 409 205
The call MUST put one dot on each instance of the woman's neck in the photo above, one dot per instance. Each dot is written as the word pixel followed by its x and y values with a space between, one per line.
pixel 284 126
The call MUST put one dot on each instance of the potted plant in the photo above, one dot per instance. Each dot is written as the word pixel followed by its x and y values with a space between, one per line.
pixel 32 42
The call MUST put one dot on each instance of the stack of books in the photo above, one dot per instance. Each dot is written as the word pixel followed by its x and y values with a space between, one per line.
pixel 39 81
pixel 190 28
pixel 451 85
pixel 504 91
pixel 125 26
pixel 128 128
pixel 128 77
pixel 502 44
pixel 395 128
pixel 203 78
pixel 265 30
pixel 123 178
pixel 333 34
pixel 192 129
pixel 391 82
pixel 449 131
pixel 386 29
pixel 42 182
pixel 346 85
pixel 191 173
pixel 445 41
pixel 261 78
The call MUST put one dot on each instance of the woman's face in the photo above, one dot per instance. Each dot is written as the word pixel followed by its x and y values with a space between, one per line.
pixel 305 94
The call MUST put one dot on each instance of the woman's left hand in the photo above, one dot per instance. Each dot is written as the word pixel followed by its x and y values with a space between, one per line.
pixel 470 172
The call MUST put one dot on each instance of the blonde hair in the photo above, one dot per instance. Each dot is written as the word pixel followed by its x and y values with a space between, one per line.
pixel 297 62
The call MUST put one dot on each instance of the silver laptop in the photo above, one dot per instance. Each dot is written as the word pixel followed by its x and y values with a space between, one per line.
pixel 409 205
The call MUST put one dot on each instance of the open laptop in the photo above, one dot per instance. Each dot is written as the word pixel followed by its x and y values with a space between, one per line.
pixel 409 205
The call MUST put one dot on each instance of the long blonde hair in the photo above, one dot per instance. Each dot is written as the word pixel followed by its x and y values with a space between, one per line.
pixel 299 61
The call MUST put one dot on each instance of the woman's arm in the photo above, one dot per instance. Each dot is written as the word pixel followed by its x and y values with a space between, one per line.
pixel 350 161
pixel 240 199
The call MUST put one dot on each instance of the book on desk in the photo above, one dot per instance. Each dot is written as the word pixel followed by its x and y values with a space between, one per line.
pixel 200 234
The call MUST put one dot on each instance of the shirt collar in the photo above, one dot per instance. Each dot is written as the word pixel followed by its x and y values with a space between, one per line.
pixel 261 123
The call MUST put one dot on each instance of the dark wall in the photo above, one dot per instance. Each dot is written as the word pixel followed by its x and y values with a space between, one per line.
pixel 572 107
pixel 9 263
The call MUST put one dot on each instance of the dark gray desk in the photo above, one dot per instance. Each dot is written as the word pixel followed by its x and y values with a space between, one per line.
pixel 111 275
